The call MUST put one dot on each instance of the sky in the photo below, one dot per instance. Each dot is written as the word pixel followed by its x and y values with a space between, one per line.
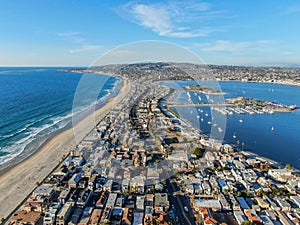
pixel 77 32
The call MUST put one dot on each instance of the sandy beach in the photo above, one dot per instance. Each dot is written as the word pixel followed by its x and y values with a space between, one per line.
pixel 20 180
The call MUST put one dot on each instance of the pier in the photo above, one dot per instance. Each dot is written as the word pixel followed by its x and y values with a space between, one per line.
pixel 177 104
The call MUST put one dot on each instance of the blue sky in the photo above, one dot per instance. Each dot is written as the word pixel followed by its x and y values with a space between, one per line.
pixel 76 32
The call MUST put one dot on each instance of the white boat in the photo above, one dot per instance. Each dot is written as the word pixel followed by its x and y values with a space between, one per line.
pixel 272 129
pixel 234 136
pixel 241 120
pixel 202 119
pixel 198 117
pixel 208 122
pixel 206 114
pixel 220 129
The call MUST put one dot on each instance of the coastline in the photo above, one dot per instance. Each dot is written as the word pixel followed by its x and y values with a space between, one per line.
pixel 20 179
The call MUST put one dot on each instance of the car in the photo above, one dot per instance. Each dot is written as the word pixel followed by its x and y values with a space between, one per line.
pixel 185 208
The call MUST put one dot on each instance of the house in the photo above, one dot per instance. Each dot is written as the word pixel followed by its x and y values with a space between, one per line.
pixel 120 201
pixel 111 200
pixel 125 185
pixel 83 198
pixel 225 219
pixel 138 218
pixel 76 216
pixel 25 217
pixel 116 215
pixel 101 200
pixel 72 183
pixel 127 217
pixel 108 185
pixel 273 205
pixel 223 185
pixel 243 203
pixel 197 188
pixel 95 217
pixel 178 156
pixel 189 189
pixel 283 218
pixel 85 218
pixel 64 196
pixel 252 216
pixel 49 217
pixel 64 214
pixel 239 216
pixel 262 203
pixel 209 203
pixel 296 199
pixel 206 187
pixel 137 185
pixel 266 220
pixel 44 190
pixel 207 216
pixel 149 200
pixel 281 175
pixel 161 202
pixel 285 206
pixel 140 200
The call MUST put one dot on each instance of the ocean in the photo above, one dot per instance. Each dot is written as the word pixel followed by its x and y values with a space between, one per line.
pixel 248 132
pixel 39 102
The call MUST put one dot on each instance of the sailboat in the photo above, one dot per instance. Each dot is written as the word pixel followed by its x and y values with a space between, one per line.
pixel 234 136
pixel 272 129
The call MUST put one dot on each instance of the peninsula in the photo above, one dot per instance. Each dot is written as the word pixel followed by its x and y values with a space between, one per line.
pixel 141 164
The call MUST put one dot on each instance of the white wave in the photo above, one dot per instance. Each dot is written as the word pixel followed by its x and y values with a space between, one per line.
pixel 18 147
pixel 24 128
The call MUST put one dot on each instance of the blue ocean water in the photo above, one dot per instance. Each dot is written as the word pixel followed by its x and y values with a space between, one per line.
pixel 249 132
pixel 36 102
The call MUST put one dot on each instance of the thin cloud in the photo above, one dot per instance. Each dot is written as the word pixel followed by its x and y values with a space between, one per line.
pixel 236 47
pixel 75 37
pixel 172 19
pixel 80 43
pixel 85 48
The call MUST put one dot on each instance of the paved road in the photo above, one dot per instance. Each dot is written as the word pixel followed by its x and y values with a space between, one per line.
pixel 180 201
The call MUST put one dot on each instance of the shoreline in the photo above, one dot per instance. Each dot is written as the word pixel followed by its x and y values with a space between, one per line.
pixel 28 152
pixel 19 180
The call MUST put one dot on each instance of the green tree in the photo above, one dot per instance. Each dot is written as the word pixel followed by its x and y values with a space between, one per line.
pixel 288 166
pixel 199 152
pixel 247 222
